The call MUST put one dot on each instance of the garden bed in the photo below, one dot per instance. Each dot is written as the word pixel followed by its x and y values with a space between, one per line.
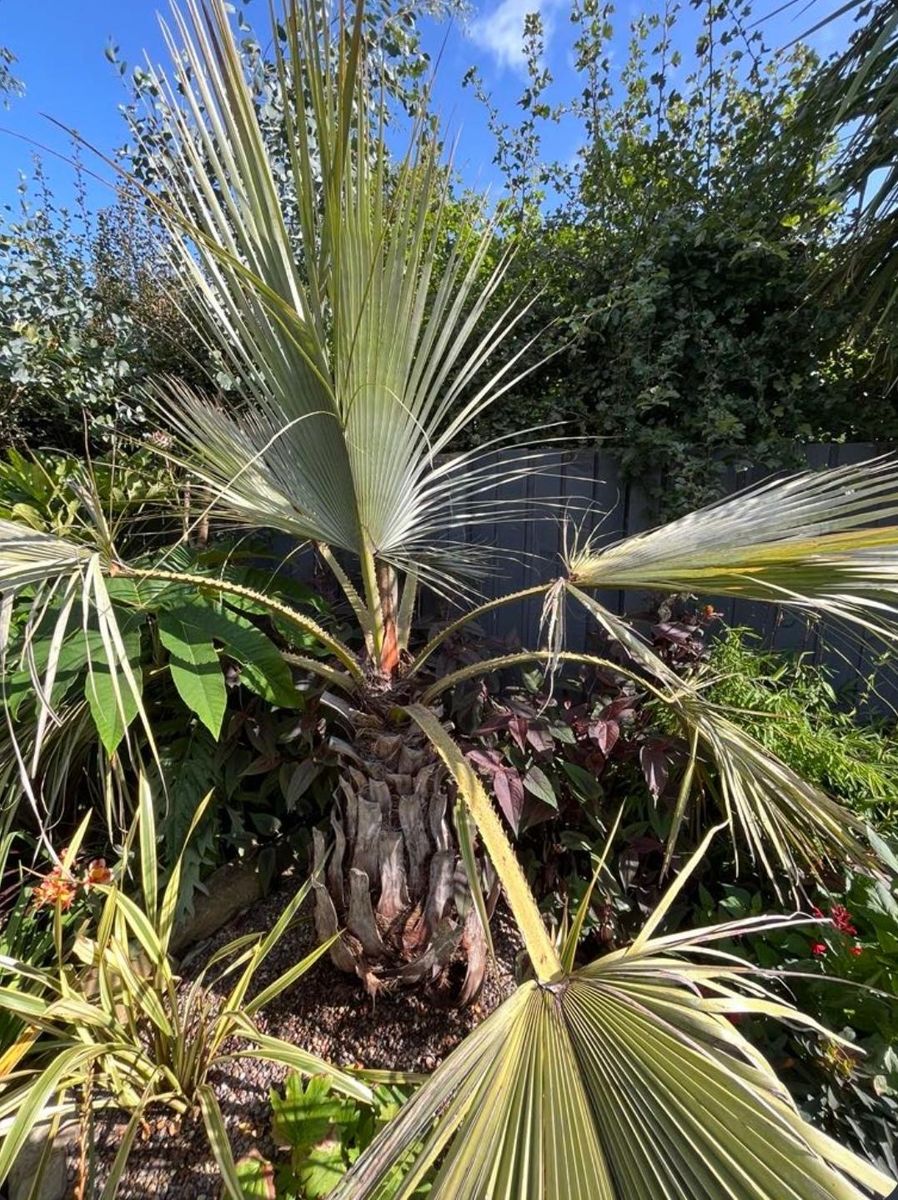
pixel 327 1013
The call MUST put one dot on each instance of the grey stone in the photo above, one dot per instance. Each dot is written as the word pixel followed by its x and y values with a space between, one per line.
pixel 232 889
pixel 23 1183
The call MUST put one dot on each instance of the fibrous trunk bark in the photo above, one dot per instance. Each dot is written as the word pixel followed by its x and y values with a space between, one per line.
pixel 394 881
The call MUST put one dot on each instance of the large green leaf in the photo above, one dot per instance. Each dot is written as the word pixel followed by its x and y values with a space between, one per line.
pixel 82 662
pixel 112 709
pixel 195 667
pixel 263 669
pixel 70 664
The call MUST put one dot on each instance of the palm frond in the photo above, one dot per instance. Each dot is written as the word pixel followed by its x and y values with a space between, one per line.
pixel 29 558
pixel 855 96
pixel 824 542
pixel 357 336
pixel 788 824
pixel 626 1080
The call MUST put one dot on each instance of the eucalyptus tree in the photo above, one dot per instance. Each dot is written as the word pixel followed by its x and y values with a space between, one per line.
pixel 362 354
pixel 9 84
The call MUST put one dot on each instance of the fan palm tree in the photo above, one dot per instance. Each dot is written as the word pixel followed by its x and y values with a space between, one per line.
pixel 363 350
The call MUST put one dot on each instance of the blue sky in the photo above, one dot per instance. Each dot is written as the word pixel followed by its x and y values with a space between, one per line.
pixel 60 47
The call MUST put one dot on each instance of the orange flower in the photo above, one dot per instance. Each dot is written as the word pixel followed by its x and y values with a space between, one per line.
pixel 57 888
pixel 97 872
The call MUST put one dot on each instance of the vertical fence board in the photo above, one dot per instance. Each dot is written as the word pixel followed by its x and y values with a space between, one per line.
pixel 487 534
pixel 545 540
pixel 609 499
pixel 578 482
pixel 511 540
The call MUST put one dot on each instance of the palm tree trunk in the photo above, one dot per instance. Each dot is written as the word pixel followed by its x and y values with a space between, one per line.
pixel 381 597
pixel 394 881
pixel 388 596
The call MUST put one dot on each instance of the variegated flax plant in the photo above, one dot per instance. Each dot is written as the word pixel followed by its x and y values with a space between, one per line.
pixel 113 1013
pixel 362 351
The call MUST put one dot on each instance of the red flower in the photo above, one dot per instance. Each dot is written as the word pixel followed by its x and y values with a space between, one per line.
pixel 856 950
pixel 818 949
pixel 842 920
pixel 816 912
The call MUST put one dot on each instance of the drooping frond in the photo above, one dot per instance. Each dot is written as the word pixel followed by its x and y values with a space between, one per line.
pixel 355 327
pixel 786 822
pixel 29 558
pixel 823 542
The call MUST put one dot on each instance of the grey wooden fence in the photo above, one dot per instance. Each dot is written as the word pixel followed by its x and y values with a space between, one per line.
pixel 592 479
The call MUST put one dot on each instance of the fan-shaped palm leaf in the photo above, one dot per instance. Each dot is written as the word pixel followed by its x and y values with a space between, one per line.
pixel 624 1080
pixel 823 542
pixel 358 336
pixel 619 1084
pixel 820 542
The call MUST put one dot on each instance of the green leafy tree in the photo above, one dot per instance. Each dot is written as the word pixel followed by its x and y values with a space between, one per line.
pixel 10 85
pixel 677 257
pixel 90 308
pixel 855 99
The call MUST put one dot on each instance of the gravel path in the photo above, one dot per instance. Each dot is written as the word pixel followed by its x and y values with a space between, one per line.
pixel 325 1012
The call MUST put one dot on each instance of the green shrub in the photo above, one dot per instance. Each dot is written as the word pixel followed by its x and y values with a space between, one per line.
pixel 115 1024
pixel 90 311
pixel 791 707
pixel 324 1132
pixel 675 262
pixel 209 680
pixel 844 973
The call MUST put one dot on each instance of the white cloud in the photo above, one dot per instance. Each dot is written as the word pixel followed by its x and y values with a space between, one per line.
pixel 500 31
